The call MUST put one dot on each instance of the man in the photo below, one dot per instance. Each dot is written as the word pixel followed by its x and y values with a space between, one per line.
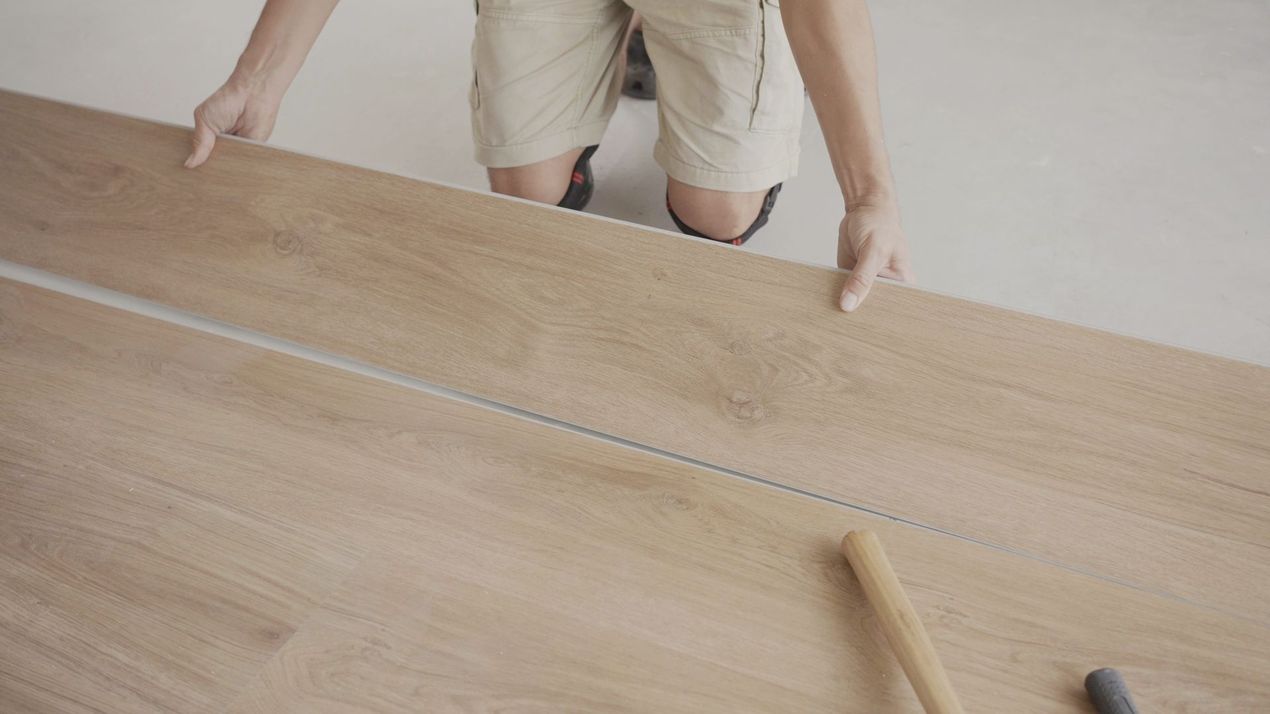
pixel 546 78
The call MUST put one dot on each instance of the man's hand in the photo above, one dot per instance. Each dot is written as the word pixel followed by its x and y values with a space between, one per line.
pixel 247 104
pixel 237 108
pixel 871 243
pixel 832 41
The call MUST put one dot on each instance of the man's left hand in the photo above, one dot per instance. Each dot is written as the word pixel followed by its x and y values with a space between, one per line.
pixel 871 243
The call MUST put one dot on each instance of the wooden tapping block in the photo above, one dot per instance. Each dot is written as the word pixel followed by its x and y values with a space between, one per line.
pixel 1109 455
pixel 191 523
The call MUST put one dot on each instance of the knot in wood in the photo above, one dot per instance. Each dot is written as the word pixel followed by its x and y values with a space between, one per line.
pixel 742 406
pixel 287 241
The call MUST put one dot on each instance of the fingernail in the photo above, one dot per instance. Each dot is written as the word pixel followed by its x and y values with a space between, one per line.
pixel 849 302
pixel 188 160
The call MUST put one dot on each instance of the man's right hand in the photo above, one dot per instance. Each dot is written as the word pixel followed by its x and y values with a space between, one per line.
pixel 247 104
pixel 239 108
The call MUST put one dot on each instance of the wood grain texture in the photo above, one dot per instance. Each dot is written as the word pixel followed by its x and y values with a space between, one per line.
pixel 120 589
pixel 1111 455
pixel 509 566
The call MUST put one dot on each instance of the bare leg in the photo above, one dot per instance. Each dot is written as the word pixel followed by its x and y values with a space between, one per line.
pixel 545 181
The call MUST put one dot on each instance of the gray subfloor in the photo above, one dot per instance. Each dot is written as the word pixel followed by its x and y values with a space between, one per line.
pixel 1103 163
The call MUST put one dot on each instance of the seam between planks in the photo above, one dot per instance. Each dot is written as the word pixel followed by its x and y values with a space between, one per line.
pixel 129 303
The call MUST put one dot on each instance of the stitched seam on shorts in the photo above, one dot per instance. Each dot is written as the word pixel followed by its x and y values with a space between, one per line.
pixel 532 17
pixel 791 129
pixel 699 34
pixel 760 64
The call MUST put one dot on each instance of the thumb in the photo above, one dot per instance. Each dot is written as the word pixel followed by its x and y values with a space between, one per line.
pixel 861 280
pixel 203 141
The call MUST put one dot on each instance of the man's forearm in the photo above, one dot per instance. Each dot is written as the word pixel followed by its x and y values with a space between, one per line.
pixel 283 36
pixel 832 42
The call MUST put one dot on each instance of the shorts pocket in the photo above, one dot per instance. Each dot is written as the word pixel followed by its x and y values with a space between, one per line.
pixel 528 72
pixel 778 89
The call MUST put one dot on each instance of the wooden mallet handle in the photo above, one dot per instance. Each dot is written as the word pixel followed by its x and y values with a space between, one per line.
pixel 900 623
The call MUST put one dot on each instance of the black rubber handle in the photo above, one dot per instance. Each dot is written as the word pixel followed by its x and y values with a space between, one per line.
pixel 1109 693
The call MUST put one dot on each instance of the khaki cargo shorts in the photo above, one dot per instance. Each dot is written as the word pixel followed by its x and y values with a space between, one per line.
pixel 729 97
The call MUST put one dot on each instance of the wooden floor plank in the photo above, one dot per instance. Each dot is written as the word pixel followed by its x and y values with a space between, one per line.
pixel 513 566
pixel 1112 455
pixel 120 590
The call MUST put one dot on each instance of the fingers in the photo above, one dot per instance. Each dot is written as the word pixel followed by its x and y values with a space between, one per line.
pixel 898 269
pixel 203 141
pixel 861 280
pixel 256 127
pixel 903 266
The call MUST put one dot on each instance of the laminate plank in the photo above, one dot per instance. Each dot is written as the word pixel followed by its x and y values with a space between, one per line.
pixel 1111 455
pixel 515 566
pixel 120 591
pixel 408 638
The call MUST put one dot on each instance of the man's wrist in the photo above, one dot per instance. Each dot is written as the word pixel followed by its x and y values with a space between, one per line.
pixel 868 182
pixel 877 197
pixel 263 72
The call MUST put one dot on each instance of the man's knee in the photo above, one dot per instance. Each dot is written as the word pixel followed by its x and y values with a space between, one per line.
pixel 545 181
pixel 718 215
